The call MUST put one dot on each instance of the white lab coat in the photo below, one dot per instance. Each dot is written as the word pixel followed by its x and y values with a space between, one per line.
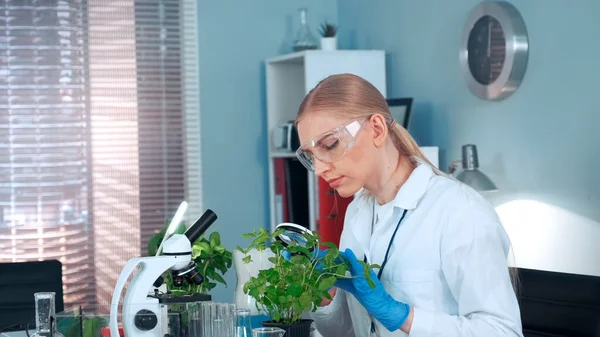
pixel 448 261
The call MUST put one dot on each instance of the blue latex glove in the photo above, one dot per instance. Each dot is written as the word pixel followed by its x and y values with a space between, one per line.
pixel 286 255
pixel 389 312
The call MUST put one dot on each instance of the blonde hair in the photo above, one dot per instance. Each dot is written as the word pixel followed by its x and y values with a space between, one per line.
pixel 351 96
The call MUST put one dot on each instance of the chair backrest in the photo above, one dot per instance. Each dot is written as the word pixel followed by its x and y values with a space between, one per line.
pixel 18 283
pixel 559 304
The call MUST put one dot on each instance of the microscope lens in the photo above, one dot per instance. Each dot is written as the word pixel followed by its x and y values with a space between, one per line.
pixel 177 281
pixel 195 278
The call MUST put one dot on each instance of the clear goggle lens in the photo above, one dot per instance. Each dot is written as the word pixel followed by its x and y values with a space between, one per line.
pixel 328 148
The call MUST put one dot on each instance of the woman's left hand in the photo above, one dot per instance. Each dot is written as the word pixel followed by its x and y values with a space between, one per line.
pixel 389 312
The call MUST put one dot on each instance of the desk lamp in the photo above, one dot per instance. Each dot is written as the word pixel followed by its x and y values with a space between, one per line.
pixel 470 174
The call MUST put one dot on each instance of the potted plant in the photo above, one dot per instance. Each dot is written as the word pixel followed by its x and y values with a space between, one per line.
pixel 294 285
pixel 328 33
pixel 211 257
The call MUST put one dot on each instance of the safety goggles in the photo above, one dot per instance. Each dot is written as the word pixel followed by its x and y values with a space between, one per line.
pixel 330 146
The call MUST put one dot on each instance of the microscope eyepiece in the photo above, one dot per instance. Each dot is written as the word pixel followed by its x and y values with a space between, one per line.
pixel 201 225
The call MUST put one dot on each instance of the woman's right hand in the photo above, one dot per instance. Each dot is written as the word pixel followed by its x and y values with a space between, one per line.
pixel 325 301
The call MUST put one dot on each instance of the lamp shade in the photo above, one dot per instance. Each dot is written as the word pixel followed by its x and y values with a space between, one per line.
pixel 477 180
pixel 470 174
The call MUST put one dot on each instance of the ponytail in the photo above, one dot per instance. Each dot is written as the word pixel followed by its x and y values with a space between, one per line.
pixel 408 147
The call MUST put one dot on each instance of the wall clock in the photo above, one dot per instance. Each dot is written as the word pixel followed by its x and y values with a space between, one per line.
pixel 494 50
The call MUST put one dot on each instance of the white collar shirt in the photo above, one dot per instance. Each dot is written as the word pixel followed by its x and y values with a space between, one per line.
pixel 448 261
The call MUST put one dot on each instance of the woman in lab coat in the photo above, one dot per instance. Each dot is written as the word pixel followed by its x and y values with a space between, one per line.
pixel 442 248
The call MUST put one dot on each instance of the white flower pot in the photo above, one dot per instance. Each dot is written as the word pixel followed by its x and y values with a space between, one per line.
pixel 243 271
pixel 329 43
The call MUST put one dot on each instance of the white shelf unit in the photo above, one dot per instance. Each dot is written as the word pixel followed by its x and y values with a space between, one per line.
pixel 289 78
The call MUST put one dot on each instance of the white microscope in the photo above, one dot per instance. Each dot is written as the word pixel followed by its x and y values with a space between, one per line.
pixel 143 312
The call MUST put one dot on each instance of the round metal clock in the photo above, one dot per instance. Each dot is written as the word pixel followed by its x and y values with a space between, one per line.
pixel 494 50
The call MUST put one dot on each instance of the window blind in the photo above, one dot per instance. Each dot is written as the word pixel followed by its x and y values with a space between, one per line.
pixel 124 111
pixel 44 149
pixel 142 92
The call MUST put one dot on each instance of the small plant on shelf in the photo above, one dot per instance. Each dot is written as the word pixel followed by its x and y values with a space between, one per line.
pixel 328 33
pixel 211 257
pixel 295 285
pixel 327 29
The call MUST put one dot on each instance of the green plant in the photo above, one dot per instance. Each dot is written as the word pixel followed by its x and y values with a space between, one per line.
pixel 289 288
pixel 211 257
pixel 327 29
pixel 81 325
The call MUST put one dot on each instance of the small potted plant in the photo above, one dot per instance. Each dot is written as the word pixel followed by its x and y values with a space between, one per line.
pixel 211 257
pixel 328 33
pixel 296 284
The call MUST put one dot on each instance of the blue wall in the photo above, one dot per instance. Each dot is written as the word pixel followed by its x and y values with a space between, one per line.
pixel 543 140
pixel 235 39
pixel 540 144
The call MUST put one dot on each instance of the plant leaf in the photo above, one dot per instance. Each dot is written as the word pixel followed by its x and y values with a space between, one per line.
pixel 218 278
pixel 298 259
pixel 329 245
pixel 341 270
pixel 215 239
pixel 327 283
pixel 260 240
pixel 305 301
pixel 209 285
pixel 304 251
pixel 204 246
pixel 248 235
pixel 223 268
pixel 278 232
pixel 294 290
pixel 180 229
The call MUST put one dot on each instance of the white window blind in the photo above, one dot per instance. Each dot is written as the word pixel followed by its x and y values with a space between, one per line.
pixel 99 128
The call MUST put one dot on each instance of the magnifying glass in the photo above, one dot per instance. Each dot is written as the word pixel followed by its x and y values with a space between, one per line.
pixel 293 233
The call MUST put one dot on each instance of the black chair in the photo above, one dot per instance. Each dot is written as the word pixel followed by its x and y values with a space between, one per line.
pixel 559 304
pixel 18 283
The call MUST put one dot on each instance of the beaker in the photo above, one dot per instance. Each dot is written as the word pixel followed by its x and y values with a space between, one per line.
pixel 243 327
pixel 304 37
pixel 268 332
pixel 45 315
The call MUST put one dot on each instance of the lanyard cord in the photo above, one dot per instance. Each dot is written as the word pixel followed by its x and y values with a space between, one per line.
pixel 387 252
